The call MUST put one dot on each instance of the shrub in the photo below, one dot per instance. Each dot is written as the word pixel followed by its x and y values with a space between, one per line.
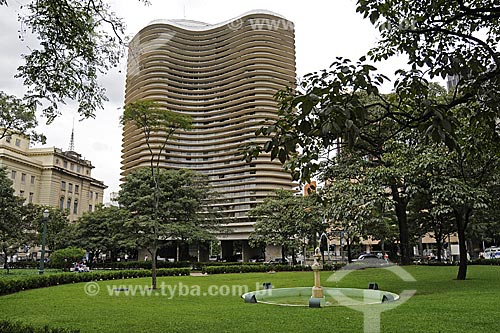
pixel 24 264
pixel 64 258
pixel 140 264
pixel 17 327
pixel 489 262
pixel 244 268
pixel 9 286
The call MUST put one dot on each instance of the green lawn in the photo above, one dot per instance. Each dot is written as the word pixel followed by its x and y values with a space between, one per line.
pixel 441 304
pixel 19 273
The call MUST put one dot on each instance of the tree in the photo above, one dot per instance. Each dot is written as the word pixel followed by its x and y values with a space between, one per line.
pixel 181 212
pixel 287 220
pixel 17 118
pixel 152 120
pixel 57 225
pixel 354 207
pixel 104 230
pixel 12 224
pixel 431 217
pixel 342 110
pixel 467 174
pixel 450 39
pixel 79 40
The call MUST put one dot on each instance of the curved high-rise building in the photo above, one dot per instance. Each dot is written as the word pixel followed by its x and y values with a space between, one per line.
pixel 225 77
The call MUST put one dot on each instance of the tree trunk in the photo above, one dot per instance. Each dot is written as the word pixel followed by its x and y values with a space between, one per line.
pixel 349 255
pixel 153 266
pixel 404 236
pixel 462 221
pixel 5 263
pixel 178 251
pixel 439 245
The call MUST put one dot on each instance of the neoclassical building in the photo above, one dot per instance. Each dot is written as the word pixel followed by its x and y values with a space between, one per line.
pixel 51 176
pixel 225 77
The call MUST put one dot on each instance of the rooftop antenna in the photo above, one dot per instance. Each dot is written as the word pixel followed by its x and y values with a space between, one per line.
pixel 72 139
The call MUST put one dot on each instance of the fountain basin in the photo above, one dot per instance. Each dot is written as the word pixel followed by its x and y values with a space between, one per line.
pixel 332 296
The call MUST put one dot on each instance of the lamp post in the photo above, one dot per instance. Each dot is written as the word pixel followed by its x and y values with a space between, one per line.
pixel 45 215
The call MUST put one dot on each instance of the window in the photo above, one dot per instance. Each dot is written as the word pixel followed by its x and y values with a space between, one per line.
pixel 63 185
pixel 30 198
pixel 57 161
pixel 78 168
pixel 7 139
pixel 21 193
pixel 77 188
pixel 72 166
pixel 75 207
pixel 70 187
pixel 96 196
pixel 13 175
pixel 90 208
pixel 18 142
pixel 68 204
pixel 91 195
pixel 32 179
pixel 61 203
pixel 23 177
pixel 65 164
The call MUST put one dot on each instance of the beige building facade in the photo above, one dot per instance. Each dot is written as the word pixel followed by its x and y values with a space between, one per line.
pixel 224 76
pixel 51 176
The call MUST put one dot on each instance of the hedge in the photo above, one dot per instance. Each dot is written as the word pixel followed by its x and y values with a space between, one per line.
pixel 490 262
pixel 9 286
pixel 140 264
pixel 222 269
pixel 106 265
pixel 17 327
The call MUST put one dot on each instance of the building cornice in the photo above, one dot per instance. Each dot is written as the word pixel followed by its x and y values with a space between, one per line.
pixel 202 26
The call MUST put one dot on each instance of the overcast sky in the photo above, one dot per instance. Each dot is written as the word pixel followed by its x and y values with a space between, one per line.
pixel 324 29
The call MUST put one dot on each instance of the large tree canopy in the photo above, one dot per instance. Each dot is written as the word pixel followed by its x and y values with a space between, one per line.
pixel 180 214
pixel 12 224
pixel 343 108
pixel 78 41
pixel 104 230
pixel 57 225
pixel 451 39
pixel 17 118
pixel 169 205
pixel 287 220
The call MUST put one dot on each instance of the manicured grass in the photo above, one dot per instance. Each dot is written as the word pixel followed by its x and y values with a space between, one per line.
pixel 441 304
pixel 20 273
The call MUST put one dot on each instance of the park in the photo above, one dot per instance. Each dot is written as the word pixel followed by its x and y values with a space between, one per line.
pixel 252 197
pixel 441 303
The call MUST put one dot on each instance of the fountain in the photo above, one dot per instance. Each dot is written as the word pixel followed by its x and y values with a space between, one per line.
pixel 319 296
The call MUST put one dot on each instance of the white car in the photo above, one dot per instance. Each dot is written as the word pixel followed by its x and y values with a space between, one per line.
pixel 492 253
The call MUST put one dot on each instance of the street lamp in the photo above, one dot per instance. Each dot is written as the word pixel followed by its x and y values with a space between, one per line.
pixel 45 215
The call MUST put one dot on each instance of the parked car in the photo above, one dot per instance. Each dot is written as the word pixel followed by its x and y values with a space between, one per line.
pixel 492 253
pixel 371 259
pixel 278 261
pixel 365 256
pixel 257 259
